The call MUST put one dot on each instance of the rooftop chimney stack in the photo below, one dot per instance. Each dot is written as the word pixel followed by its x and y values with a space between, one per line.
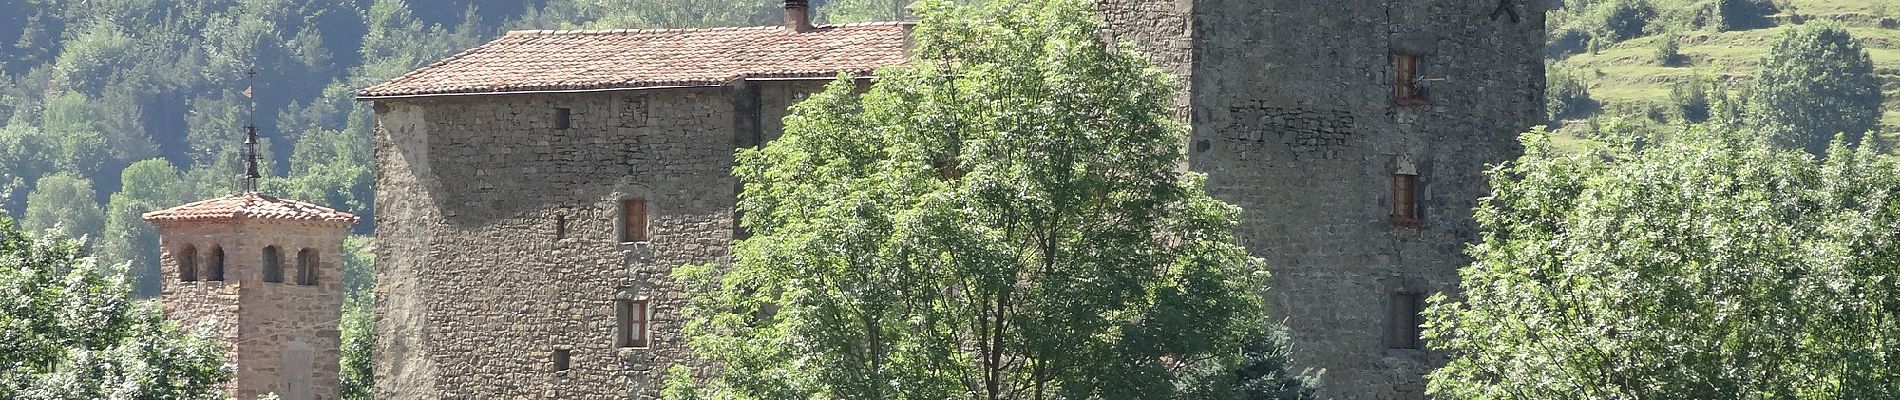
pixel 798 15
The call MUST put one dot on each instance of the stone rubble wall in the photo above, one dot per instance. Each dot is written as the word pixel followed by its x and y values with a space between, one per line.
pixel 1295 121
pixel 478 289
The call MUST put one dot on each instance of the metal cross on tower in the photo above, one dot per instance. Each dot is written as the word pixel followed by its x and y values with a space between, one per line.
pixel 250 133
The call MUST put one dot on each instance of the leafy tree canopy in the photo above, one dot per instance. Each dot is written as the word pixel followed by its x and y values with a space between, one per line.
pixel 1817 81
pixel 1004 219
pixel 71 332
pixel 1710 265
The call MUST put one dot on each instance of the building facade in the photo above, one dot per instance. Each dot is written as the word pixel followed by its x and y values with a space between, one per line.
pixel 534 192
pixel 265 276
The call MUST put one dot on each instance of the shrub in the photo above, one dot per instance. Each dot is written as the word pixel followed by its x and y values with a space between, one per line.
pixel 1745 14
pixel 1623 19
pixel 1669 49
pixel 1691 100
pixel 1567 96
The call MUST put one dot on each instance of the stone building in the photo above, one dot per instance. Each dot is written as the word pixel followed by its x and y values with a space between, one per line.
pixel 534 192
pixel 265 274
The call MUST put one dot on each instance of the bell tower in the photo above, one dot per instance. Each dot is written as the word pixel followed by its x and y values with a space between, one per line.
pixel 264 275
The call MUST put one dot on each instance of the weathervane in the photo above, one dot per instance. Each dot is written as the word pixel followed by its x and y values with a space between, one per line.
pixel 250 133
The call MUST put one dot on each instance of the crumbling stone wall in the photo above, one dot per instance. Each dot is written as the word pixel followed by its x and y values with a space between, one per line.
pixel 258 320
pixel 481 285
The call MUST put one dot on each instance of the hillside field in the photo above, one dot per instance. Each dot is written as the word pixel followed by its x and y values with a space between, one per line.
pixel 1627 77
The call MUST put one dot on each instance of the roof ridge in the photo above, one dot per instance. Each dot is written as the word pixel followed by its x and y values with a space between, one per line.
pixel 623 31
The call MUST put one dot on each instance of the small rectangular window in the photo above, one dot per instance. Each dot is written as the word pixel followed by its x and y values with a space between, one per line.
pixel 1405 80
pixel 633 220
pixel 563 118
pixel 634 323
pixel 1405 200
pixel 562 359
pixel 1405 325
pixel 560 226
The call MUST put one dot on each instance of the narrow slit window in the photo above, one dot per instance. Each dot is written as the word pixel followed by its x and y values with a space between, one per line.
pixel 563 358
pixel 560 226
pixel 1405 75
pixel 633 220
pixel 563 118
pixel 1405 327
pixel 1405 200
pixel 214 271
pixel 635 322
pixel 273 265
pixel 187 263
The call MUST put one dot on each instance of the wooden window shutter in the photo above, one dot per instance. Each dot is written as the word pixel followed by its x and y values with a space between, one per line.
pixel 633 220
pixel 1405 200
pixel 623 323
pixel 1405 76
pixel 640 324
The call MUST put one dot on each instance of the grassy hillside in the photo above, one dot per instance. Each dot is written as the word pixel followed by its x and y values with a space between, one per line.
pixel 1627 77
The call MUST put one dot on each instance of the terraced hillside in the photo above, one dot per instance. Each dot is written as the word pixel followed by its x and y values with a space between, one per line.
pixel 1628 77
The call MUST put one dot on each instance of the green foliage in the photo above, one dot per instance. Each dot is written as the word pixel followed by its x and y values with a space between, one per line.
pixel 1004 217
pixel 358 336
pixel 1669 49
pixel 1566 96
pixel 1745 14
pixel 146 186
pixel 1691 99
pixel 1264 372
pixel 1817 81
pixel 1708 265
pixel 72 333
pixel 65 204
pixel 1619 20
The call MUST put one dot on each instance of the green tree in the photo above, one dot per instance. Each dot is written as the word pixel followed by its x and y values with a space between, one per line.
pixel 72 333
pixel 64 203
pixel 1005 218
pixel 1817 81
pixel 145 186
pixel 1705 266
pixel 358 383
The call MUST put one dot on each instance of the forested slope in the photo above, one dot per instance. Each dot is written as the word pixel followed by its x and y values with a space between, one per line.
pixel 111 108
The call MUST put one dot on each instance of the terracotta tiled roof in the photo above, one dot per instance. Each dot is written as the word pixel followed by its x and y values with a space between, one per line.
pixel 249 206
pixel 526 61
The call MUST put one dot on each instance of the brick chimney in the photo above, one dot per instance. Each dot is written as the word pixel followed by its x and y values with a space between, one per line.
pixel 798 15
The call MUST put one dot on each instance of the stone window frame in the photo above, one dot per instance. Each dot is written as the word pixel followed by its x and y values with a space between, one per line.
pixel 187 259
pixel 308 262
pixel 214 267
pixel 1405 320
pixel 633 322
pixel 273 264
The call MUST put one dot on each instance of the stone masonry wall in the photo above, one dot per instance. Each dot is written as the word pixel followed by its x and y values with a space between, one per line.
pixel 258 319
pixel 479 285
pixel 1295 121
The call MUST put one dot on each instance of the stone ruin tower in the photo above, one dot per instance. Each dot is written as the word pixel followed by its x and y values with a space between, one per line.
pixel 264 273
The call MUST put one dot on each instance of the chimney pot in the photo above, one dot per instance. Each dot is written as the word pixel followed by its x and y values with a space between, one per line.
pixel 798 15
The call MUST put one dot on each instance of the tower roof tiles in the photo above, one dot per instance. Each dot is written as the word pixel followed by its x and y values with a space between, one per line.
pixel 249 205
pixel 534 61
